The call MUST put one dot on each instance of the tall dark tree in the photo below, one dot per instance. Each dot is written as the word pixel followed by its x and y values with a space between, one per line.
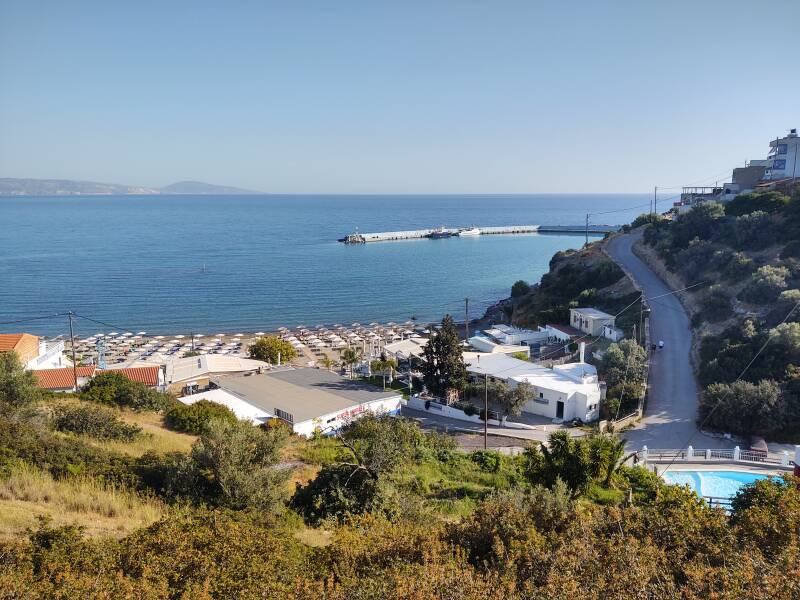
pixel 444 369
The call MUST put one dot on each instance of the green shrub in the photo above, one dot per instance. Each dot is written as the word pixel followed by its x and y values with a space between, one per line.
pixel 520 288
pixel 745 204
pixel 117 390
pixel 791 250
pixel 716 306
pixel 766 285
pixel 60 456
pixel 97 422
pixel 488 461
pixel 195 418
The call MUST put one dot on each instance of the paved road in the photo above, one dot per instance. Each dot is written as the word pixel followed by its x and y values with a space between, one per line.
pixel 426 419
pixel 672 406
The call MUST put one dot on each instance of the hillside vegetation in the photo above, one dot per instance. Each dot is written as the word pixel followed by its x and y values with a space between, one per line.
pixel 382 510
pixel 745 256
pixel 577 278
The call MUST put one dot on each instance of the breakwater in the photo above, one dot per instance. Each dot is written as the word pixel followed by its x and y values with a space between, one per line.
pixel 386 236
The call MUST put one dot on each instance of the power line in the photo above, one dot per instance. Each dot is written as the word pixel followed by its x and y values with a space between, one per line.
pixel 747 367
pixel 41 318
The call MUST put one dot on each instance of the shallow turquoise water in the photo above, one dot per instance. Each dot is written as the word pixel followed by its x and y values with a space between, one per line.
pixel 720 484
pixel 137 262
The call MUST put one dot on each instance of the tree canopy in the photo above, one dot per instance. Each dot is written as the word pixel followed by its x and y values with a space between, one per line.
pixel 444 369
pixel 272 348
pixel 17 386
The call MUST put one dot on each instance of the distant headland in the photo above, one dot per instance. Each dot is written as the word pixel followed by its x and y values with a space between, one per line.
pixel 10 186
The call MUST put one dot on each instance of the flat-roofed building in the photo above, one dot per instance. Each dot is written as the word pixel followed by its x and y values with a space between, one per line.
pixel 590 320
pixel 565 392
pixel 411 347
pixel 196 372
pixel 307 399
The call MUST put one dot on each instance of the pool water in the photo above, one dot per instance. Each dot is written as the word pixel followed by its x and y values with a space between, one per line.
pixel 720 484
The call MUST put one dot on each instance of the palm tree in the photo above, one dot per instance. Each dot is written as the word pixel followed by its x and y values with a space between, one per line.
pixel 326 362
pixel 351 356
pixel 384 366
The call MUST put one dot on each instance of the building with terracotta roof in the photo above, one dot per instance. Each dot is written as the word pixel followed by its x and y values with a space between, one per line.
pixel 34 352
pixel 151 376
pixel 63 379
pixel 24 344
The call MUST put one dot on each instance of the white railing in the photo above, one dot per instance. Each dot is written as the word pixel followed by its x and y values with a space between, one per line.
pixel 734 455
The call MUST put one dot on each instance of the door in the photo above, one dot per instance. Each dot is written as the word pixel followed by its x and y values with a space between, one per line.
pixel 559 410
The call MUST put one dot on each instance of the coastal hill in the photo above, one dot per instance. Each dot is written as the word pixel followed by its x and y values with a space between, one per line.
pixel 10 186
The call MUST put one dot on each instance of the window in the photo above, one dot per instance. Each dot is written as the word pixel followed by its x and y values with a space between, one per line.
pixel 781 149
pixel 779 164
pixel 541 395
pixel 282 414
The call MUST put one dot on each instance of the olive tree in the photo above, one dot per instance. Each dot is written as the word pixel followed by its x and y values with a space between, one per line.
pixel 241 462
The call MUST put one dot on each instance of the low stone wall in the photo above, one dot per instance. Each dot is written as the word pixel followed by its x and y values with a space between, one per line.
pixel 450 412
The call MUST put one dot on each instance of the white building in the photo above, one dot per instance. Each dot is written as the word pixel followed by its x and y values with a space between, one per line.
pixel 405 349
pixel 782 163
pixel 482 343
pixel 307 399
pixel 783 157
pixel 196 372
pixel 505 334
pixel 565 392
pixel 35 352
pixel 612 333
pixel 590 320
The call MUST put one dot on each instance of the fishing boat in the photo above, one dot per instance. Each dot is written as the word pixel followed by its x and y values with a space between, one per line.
pixel 440 233
pixel 469 232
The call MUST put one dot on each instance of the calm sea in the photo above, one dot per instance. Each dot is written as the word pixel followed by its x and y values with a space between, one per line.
pixel 222 263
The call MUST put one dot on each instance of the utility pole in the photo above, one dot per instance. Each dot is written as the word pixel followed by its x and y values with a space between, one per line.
pixel 485 411
pixel 655 200
pixel 466 319
pixel 72 347
pixel 587 229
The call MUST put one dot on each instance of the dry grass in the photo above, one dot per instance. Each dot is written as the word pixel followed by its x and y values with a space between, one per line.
pixel 101 508
pixel 154 436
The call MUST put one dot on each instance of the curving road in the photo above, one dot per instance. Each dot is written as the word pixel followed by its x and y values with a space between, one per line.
pixel 669 422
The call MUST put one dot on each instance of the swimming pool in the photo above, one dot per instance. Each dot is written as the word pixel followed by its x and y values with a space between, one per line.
pixel 720 484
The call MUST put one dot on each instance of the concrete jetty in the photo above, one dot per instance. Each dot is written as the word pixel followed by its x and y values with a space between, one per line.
pixel 386 236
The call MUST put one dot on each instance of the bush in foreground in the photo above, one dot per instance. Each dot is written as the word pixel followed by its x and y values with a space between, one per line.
pixel 97 422
pixel 117 390
pixel 195 418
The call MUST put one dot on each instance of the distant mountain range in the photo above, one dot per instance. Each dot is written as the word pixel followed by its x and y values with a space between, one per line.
pixel 10 186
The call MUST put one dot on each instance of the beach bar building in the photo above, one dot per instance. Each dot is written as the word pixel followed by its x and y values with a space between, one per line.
pixel 307 399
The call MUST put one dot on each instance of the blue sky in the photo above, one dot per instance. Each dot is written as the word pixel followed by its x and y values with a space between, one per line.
pixel 401 97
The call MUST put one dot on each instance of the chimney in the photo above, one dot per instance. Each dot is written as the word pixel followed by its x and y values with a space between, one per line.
pixel 582 351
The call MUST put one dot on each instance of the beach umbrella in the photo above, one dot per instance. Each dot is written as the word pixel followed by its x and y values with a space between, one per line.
pixel 260 333
pixel 159 337
pixel 179 337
